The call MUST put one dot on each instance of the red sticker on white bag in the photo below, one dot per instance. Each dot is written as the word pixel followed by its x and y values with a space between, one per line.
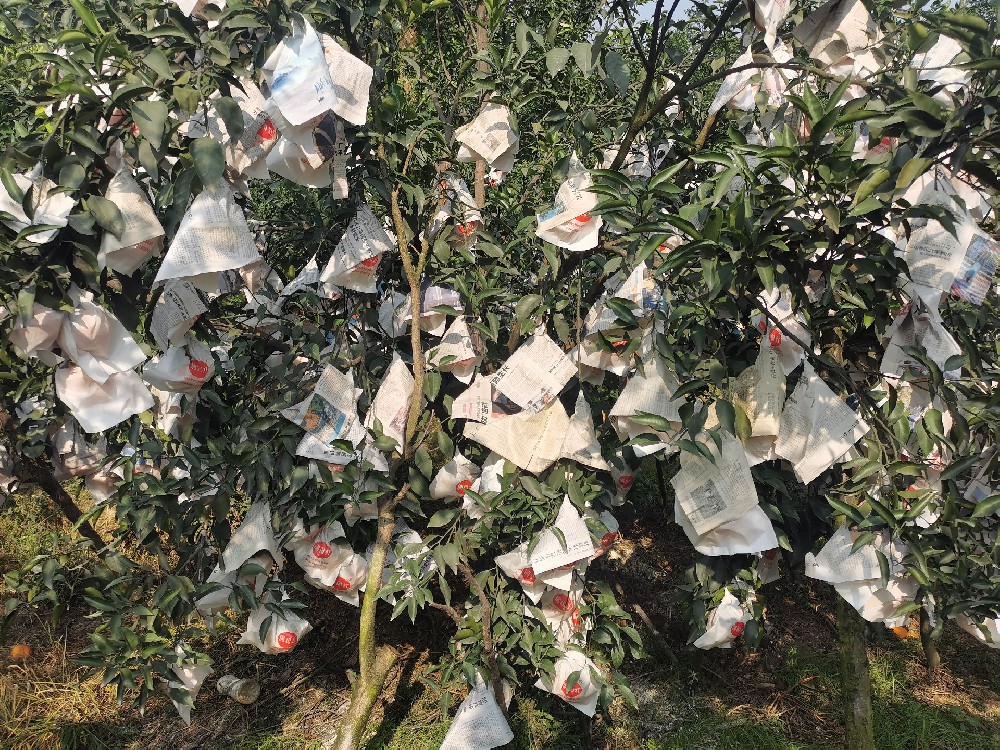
pixel 287 640
pixel 774 337
pixel 737 629
pixel 572 692
pixel 198 369
pixel 625 481
pixel 462 486
pixel 322 550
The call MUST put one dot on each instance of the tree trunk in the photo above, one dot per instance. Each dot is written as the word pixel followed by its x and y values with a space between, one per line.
pixel 927 641
pixel 364 693
pixel 855 681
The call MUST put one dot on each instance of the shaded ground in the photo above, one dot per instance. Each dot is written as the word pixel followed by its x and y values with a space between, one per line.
pixel 783 695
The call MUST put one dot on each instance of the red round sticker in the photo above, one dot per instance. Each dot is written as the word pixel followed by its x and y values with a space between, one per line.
pixel 608 539
pixel 584 218
pixel 267 131
pixel 322 550
pixel 575 617
pixel 198 369
pixel 371 262
pixel 771 554
pixel 625 481
pixel 528 575
pixel 762 326
pixel 341 584
pixel 562 602
pixel 462 486
pixel 287 640
pixel 572 692
pixel 619 344
pixel 737 629
pixel 774 337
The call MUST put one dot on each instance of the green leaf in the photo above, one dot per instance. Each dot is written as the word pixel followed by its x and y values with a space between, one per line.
pixel 521 37
pixel 583 53
pixel 231 115
pixel 869 186
pixel 72 176
pixel 209 161
pixel 87 16
pixel 847 510
pixel 422 460
pixel 618 70
pixel 911 171
pixel 26 302
pixel 442 518
pixel 156 61
pixel 107 214
pixel 726 414
pixel 556 59
pixel 151 118
pixel 445 445
pixel 12 188
pixel 526 305
pixel 987 506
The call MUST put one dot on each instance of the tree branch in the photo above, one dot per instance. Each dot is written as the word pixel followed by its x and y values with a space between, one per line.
pixel 491 656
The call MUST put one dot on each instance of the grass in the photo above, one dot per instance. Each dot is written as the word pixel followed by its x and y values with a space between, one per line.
pixel 782 697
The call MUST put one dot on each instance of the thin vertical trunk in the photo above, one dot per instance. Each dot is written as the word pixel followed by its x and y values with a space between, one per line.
pixel 927 641
pixel 855 680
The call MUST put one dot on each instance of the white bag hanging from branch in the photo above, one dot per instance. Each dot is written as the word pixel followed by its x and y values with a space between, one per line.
pixel 517 565
pixel 190 677
pixel 725 624
pixel 551 552
pixel 737 90
pixel 247 155
pixel 436 303
pixel 577 680
pixel 100 405
pixel 817 427
pixel 73 455
pixel 49 208
pixel 391 404
pixel 37 335
pixel 714 492
pixel 352 81
pixel 778 303
pixel 331 415
pixel 581 443
pixel 357 255
pixel 454 478
pixel 142 234
pixel 986 630
pixel 298 75
pixel 650 392
pixel 530 441
pixel 210 604
pixel 920 327
pixel 560 611
pixel 479 723
pixel 253 535
pixel 488 481
pixel 768 15
pixel 177 309
pixel 212 237
pixel 181 369
pixel 489 137
pixel 535 374
pixel 752 532
pixel 760 391
pixel 96 340
pixel 839 29
pixel 272 633
pixel 637 164
pixel 569 223
pixel 456 353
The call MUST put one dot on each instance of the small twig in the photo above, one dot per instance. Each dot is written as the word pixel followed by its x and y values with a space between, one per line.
pixel 450 611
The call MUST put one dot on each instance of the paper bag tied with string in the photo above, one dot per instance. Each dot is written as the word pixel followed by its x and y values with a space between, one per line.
pixel 96 340
pixel 100 405
pixel 181 369
pixel 357 255
pixel 190 676
pixel 581 443
pixel 37 335
pixel 454 478
pixel 712 493
pixel 569 223
pixel 489 137
pixel 725 624
pixel 50 208
pixel 142 235
pixel 283 633
pixel 817 427
pixel 331 415
pixel 577 680
pixel 649 392
pixel 479 724
pixel 391 404
pixel 456 353
pixel 213 236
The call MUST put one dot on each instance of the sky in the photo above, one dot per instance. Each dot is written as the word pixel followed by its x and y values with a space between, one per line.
pixel 646 9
